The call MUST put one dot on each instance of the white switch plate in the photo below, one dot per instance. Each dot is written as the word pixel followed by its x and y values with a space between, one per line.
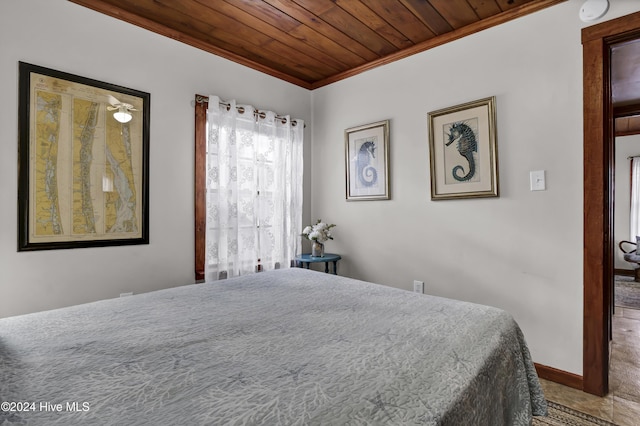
pixel 537 180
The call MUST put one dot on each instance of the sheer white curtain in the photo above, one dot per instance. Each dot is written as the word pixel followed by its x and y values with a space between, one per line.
pixel 254 190
pixel 634 214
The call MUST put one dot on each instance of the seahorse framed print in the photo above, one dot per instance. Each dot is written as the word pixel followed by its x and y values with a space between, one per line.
pixel 463 151
pixel 367 161
pixel 83 162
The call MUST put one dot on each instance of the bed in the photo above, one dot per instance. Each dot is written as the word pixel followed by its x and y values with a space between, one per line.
pixel 284 347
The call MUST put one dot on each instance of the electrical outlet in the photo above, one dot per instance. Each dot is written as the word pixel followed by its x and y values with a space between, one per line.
pixel 126 294
pixel 418 286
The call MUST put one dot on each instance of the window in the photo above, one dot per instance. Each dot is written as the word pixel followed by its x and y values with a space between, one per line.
pixel 248 189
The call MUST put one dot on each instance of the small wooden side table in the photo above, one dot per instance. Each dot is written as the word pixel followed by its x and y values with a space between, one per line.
pixel 307 259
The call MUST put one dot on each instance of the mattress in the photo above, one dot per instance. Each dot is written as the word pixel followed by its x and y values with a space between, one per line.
pixel 284 347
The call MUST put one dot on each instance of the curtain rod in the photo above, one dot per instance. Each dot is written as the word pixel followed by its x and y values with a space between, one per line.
pixel 257 113
pixel 633 156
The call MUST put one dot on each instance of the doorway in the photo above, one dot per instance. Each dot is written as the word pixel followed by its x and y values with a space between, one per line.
pixel 598 262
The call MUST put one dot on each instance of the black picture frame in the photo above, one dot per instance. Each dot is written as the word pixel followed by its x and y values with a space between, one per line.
pixel 83 176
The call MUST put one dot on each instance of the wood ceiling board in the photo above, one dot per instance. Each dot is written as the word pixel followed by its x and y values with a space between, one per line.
pixel 209 25
pixel 377 23
pixel 627 126
pixel 458 13
pixel 626 110
pixel 238 37
pixel 241 41
pixel 357 31
pixel 321 27
pixel 324 44
pixel 401 19
pixel 625 93
pixel 310 68
pixel 506 16
pixel 312 43
pixel 264 12
pixel 280 20
pixel 510 4
pixel 218 48
pixel 634 124
pixel 317 7
pixel 625 73
pixel 428 15
pixel 621 126
pixel 485 8
pixel 263 28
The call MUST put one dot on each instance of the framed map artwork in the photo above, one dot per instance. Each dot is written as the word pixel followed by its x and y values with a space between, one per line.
pixel 83 162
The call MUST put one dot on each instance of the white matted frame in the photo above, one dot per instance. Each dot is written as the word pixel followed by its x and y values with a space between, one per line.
pixel 463 151
pixel 367 161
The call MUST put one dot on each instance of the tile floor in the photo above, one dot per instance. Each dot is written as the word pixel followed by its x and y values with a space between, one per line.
pixel 622 405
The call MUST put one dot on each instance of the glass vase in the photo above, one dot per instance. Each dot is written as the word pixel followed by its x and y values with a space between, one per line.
pixel 317 249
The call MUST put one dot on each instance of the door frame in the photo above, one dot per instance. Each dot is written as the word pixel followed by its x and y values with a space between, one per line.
pixel 598 195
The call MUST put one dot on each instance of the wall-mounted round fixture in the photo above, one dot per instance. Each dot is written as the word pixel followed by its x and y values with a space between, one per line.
pixel 593 9
pixel 122 115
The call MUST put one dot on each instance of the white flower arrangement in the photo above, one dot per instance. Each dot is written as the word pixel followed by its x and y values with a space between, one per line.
pixel 319 232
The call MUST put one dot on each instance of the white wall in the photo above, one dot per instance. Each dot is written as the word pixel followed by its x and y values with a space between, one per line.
pixel 60 35
pixel 522 251
pixel 626 146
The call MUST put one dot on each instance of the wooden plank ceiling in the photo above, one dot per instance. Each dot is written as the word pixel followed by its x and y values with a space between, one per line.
pixel 312 43
pixel 625 87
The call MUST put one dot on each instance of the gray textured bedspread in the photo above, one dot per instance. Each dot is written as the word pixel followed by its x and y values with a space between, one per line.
pixel 287 347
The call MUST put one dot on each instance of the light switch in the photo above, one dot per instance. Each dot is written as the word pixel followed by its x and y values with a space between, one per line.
pixel 537 180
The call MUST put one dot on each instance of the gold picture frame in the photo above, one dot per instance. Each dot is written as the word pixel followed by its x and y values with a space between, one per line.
pixel 83 161
pixel 367 162
pixel 463 151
